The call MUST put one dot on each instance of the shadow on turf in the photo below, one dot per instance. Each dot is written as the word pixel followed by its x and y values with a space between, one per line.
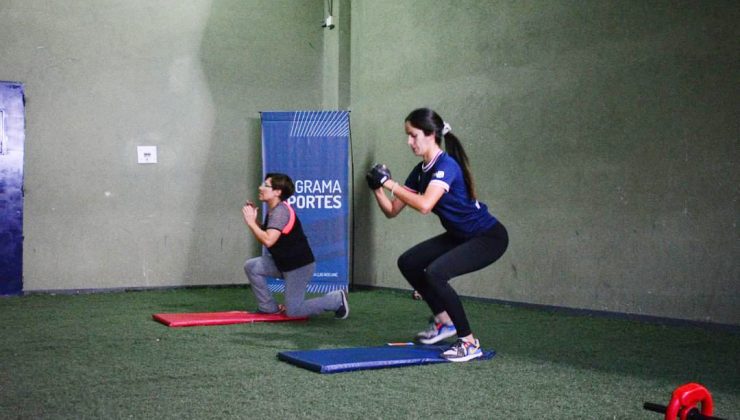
pixel 674 354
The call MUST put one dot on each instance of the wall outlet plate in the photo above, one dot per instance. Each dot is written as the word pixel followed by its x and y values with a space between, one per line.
pixel 146 154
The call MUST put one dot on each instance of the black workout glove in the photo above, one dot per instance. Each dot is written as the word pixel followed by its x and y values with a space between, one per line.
pixel 371 182
pixel 377 175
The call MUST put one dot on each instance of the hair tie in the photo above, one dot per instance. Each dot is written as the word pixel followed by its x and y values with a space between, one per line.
pixel 446 128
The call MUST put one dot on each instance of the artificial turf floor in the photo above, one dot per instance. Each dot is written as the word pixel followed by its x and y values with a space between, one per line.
pixel 102 356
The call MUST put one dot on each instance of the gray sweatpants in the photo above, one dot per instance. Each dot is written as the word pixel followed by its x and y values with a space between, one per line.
pixel 260 268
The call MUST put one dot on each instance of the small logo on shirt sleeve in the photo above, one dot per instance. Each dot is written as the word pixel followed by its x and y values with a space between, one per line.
pixel 439 174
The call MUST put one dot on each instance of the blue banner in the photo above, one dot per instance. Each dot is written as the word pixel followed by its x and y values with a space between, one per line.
pixel 12 138
pixel 312 147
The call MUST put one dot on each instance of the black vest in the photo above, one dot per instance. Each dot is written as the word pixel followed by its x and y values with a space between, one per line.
pixel 291 251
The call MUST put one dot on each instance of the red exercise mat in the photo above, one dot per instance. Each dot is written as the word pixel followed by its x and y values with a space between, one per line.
pixel 220 318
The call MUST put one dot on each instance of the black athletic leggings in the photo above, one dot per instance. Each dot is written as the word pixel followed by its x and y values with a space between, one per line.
pixel 430 265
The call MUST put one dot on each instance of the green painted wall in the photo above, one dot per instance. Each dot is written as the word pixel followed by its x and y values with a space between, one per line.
pixel 187 76
pixel 603 134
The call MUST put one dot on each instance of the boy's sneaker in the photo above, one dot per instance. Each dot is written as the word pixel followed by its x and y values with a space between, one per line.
pixel 462 351
pixel 436 332
pixel 343 311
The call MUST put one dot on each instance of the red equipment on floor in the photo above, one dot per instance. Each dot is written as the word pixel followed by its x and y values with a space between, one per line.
pixel 220 318
pixel 684 404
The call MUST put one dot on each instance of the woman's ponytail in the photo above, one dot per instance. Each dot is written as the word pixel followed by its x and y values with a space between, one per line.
pixel 455 149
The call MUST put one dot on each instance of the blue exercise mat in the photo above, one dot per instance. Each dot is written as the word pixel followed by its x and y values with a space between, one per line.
pixel 360 358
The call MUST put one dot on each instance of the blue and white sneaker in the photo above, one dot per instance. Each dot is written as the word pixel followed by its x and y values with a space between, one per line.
pixel 436 332
pixel 462 351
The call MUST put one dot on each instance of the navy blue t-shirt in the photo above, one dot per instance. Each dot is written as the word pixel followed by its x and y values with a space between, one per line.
pixel 459 214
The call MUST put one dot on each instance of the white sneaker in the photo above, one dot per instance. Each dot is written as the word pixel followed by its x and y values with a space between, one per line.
pixel 343 311
pixel 436 332
pixel 462 351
